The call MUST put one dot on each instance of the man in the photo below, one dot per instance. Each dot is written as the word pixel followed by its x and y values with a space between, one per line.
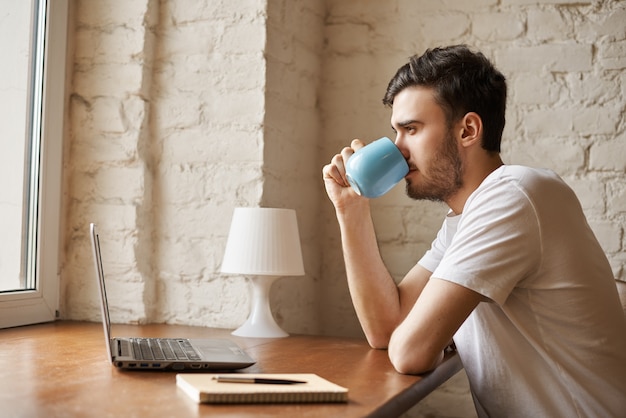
pixel 515 274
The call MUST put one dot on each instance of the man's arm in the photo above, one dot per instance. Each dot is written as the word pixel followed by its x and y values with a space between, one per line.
pixel 416 319
pixel 379 303
pixel 417 344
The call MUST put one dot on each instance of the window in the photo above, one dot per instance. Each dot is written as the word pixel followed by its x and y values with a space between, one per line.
pixel 32 74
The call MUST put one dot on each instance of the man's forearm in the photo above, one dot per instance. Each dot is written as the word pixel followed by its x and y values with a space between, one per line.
pixel 373 291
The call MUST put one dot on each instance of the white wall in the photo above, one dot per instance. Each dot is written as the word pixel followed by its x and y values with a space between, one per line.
pixel 176 120
pixel 291 140
pixel 183 110
pixel 565 61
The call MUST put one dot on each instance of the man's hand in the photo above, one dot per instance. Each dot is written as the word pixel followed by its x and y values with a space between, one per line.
pixel 334 174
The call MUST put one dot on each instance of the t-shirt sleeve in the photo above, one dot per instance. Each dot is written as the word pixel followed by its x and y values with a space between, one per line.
pixel 496 245
pixel 433 256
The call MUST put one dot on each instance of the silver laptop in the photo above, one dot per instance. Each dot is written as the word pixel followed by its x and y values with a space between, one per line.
pixel 163 353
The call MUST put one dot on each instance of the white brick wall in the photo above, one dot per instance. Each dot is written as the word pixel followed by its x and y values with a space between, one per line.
pixel 564 61
pixel 175 120
pixel 182 110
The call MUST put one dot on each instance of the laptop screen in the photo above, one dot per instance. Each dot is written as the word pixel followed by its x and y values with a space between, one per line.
pixel 104 305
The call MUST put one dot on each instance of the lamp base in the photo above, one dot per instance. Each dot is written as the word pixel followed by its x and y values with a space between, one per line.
pixel 261 323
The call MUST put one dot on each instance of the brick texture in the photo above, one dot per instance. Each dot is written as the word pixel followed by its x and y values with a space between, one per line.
pixel 181 111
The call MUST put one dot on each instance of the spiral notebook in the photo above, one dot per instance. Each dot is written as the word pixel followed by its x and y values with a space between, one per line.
pixel 204 388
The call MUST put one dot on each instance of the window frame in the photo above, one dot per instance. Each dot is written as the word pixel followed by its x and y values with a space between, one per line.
pixel 41 304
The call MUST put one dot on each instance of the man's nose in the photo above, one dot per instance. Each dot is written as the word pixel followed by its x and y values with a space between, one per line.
pixel 399 141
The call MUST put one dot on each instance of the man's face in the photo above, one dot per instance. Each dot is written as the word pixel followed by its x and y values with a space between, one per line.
pixel 428 143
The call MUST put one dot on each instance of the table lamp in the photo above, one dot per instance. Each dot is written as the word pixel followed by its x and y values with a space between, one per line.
pixel 263 244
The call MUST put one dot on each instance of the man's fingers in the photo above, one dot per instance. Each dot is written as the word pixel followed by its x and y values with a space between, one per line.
pixel 331 171
pixel 336 170
pixel 357 144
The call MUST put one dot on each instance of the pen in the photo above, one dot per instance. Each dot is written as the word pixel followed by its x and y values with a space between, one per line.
pixel 263 380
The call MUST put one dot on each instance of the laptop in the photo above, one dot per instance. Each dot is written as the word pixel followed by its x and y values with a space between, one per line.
pixel 138 353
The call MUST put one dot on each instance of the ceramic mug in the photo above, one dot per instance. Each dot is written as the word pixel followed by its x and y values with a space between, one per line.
pixel 374 169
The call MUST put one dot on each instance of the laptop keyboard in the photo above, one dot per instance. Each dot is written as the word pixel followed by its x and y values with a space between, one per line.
pixel 163 349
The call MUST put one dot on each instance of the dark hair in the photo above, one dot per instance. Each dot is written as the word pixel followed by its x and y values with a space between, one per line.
pixel 463 81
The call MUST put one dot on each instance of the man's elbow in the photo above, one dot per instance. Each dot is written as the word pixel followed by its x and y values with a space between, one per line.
pixel 406 365
pixel 379 342
pixel 413 359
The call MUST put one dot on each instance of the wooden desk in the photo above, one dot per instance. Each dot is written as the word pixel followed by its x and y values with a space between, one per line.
pixel 43 374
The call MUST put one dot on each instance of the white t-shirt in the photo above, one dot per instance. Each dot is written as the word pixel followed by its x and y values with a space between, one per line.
pixel 552 340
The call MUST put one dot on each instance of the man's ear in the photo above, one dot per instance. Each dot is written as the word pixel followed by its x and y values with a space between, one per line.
pixel 471 129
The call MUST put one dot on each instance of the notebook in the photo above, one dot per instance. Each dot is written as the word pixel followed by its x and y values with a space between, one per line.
pixel 163 353
pixel 204 388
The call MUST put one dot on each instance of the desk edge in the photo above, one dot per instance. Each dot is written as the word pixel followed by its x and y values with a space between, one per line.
pixel 429 382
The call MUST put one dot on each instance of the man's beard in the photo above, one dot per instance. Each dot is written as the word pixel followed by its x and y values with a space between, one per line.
pixel 444 177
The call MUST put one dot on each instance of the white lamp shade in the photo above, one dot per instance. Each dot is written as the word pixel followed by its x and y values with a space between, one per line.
pixel 263 241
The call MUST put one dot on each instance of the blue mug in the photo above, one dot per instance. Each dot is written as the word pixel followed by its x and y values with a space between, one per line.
pixel 374 169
